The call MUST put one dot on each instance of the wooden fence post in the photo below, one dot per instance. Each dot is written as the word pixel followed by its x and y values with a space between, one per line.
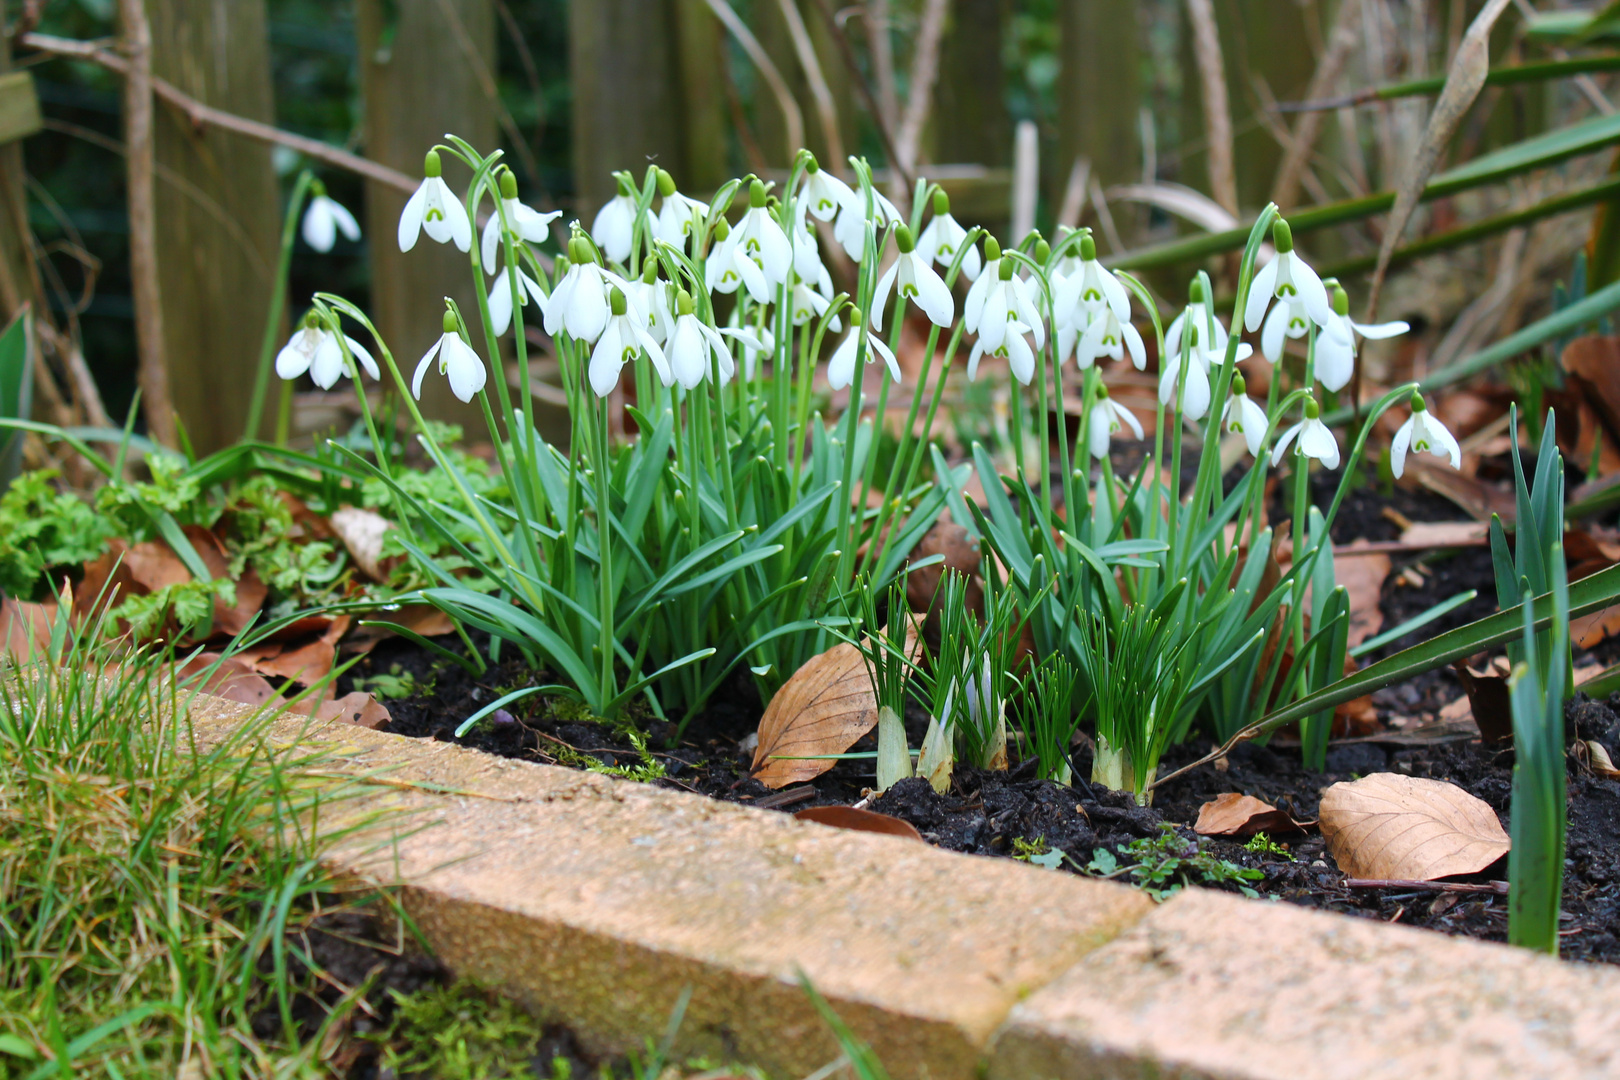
pixel 424 66
pixel 1099 90
pixel 217 230
pixel 972 125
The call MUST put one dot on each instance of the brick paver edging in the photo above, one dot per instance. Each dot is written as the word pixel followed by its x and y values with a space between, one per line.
pixel 596 901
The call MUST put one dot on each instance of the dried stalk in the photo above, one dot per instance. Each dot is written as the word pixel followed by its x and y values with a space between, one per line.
pixel 881 47
pixel 202 115
pixel 153 375
pixel 826 108
pixel 1341 42
pixel 1217 111
pixel 792 118
pixel 1074 194
pixel 859 78
pixel 924 73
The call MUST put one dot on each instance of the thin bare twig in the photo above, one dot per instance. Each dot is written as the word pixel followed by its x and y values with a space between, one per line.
pixel 881 46
pixel 1341 42
pixel 202 115
pixel 920 92
pixel 826 108
pixel 1217 111
pixel 792 118
pixel 152 375
pixel 848 52
pixel 492 93
pixel 1496 888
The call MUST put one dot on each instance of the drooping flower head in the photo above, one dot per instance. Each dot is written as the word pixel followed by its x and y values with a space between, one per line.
pixel 1109 418
pixel 1087 289
pixel 525 222
pixel 1244 416
pixel 435 210
pixel 679 218
pixel 692 344
pixel 943 236
pixel 916 281
pixel 1422 434
pixel 756 253
pixel 841 368
pixel 314 348
pixel 325 218
pixel 623 339
pixel 615 226
pixel 579 302
pixel 999 297
pixel 456 360
pixel 1289 279
pixel 1336 353
pixel 1315 439
pixel 823 193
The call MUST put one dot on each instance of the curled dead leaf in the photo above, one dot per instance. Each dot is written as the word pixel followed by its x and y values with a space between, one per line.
pixel 1362 574
pixel 847 817
pixel 1231 814
pixel 358 708
pixel 25 628
pixel 362 533
pixel 1488 701
pixel 824 708
pixel 1404 827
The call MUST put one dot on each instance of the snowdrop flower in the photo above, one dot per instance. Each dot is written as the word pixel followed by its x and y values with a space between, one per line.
pixel 435 210
pixel 808 303
pixel 1108 418
pixel 315 349
pixel 998 298
pixel 1195 403
pixel 756 253
pixel 841 368
pixel 1422 434
pixel 1288 278
pixel 650 297
pixel 1243 416
pixel 1315 439
pixel 615 224
pixel 456 359
pixel 1109 336
pixel 500 298
pixel 1286 321
pixel 1013 348
pixel 823 193
pixel 850 229
pixel 916 281
pixel 939 241
pixel 1087 290
pixel 679 218
pixel 1196 315
pixel 579 302
pixel 691 344
pixel 325 218
pixel 525 222
pixel 624 337
pixel 754 345
pixel 806 253
pixel 1336 356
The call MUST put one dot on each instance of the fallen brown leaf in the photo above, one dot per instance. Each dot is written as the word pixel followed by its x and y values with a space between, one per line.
pixel 1391 826
pixel 362 533
pixel 1441 534
pixel 824 708
pixel 358 708
pixel 25 628
pixel 1237 815
pixel 1362 575
pixel 847 817
pixel 1488 701
pixel 1588 631
pixel 303 662
pixel 423 619
pixel 231 678
pixel 961 553
pixel 153 565
pixel 1472 495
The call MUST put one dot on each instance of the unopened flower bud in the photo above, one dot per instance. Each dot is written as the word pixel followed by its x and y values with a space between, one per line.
pixel 616 298
pixel 431 165
pixel 756 194
pixel 942 202
pixel 508 184
pixel 902 239
pixel 1282 237
pixel 666 183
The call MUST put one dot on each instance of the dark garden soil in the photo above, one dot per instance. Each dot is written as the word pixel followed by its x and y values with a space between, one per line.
pixel 1014 814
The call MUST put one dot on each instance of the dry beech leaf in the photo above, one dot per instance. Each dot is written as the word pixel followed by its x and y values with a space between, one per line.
pixel 1363 576
pixel 1237 815
pixel 1442 534
pixel 358 708
pixel 1488 702
pixel 1600 761
pixel 847 817
pixel 1589 631
pixel 1393 827
pixel 824 708
pixel 230 678
pixel 362 534
pixel 25 628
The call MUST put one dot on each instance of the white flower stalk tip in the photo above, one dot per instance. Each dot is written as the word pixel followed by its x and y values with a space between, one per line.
pixel 1422 434
pixel 325 218
pixel 1109 418
pixel 315 349
pixel 1244 416
pixel 435 210
pixel 1314 437
pixel 841 368
pixel 916 281
pixel 524 222
pixel 457 361
pixel 1289 279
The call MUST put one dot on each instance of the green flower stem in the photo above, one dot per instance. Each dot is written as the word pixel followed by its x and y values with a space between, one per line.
pixel 278 308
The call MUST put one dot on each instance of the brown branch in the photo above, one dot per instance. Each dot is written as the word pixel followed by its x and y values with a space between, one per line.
pixel 152 375
pixel 826 109
pixel 920 87
pixel 202 115
pixel 792 118
pixel 1217 112
pixel 854 65
pixel 1496 888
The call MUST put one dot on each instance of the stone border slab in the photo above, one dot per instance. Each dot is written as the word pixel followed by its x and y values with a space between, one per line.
pixel 595 901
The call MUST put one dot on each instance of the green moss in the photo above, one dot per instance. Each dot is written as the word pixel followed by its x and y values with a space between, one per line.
pixel 463 1031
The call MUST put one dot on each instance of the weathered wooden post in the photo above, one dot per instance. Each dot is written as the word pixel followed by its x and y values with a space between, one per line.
pixel 217 230
pixel 1099 90
pixel 426 68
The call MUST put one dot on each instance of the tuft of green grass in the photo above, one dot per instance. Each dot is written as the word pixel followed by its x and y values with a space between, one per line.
pixel 148 885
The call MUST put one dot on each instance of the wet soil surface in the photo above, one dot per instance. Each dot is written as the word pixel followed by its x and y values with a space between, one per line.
pixel 1016 815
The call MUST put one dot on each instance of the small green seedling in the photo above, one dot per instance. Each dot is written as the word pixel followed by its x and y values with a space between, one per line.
pixel 1165 864
pixel 1261 844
